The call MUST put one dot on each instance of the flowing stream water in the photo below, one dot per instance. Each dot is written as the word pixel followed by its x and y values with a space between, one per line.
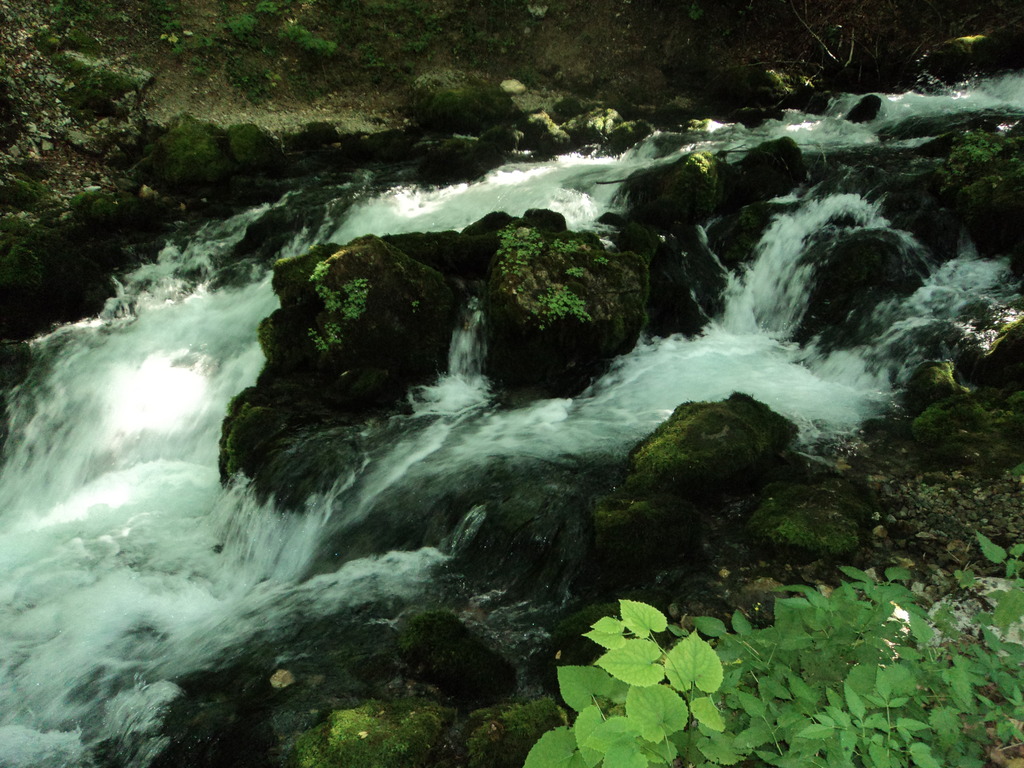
pixel 124 563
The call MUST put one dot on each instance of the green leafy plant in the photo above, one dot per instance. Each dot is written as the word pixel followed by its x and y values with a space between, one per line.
pixel 307 41
pixel 558 302
pixel 517 247
pixel 346 304
pixel 862 676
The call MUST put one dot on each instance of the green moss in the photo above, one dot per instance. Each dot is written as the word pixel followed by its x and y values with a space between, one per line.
pixel 688 191
pixel 97 89
pixel 634 535
pixel 246 435
pixel 823 520
pixel 983 179
pixel 501 737
pixel 736 237
pixel 769 170
pixel 628 134
pixel 253 148
pixel 708 447
pixel 931 381
pixel 443 651
pixel 398 734
pixel 1004 364
pixel 558 304
pixel 472 109
pixel 104 212
pixel 950 421
pixel 192 153
pixel 23 194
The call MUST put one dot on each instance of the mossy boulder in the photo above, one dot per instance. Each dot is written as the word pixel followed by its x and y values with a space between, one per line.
pixel 449 252
pixel 21 193
pixel 980 432
pixel 106 212
pixel 442 650
pixel 247 434
pixel 1004 364
pixel 459 159
pixel 312 136
pixel 191 154
pixel 687 191
pixel 502 737
pixel 253 148
pixel 706 448
pixel 542 135
pixel 558 305
pixel 983 180
pixel 753 86
pixel 471 109
pixel 823 519
pixel 961 57
pixel 569 646
pixel 770 169
pixel 398 734
pixel 593 127
pixel 627 135
pixel 734 237
pixel 931 382
pixel 364 316
pixel 638 535
pixel 98 90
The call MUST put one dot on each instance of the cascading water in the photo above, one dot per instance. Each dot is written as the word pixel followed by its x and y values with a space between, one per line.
pixel 124 565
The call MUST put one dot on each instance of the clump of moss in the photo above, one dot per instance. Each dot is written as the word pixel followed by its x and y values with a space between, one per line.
pixel 501 737
pixel 1004 364
pixel 931 381
pixel 983 179
pixel 769 170
pixel 397 734
pixel 735 237
pixel 104 212
pixel 472 109
pixel 97 90
pixel 253 148
pixel 192 153
pixel 443 651
pixel 823 520
pixel 23 194
pixel 980 431
pixel 704 448
pixel 246 434
pixel 687 191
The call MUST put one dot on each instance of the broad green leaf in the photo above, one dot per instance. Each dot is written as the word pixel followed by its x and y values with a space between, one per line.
pixel 895 573
pixel 802 690
pixel 579 685
pixel 854 702
pixel 922 755
pixel 856 574
pixel 921 629
pixel 607 632
pixel 635 663
pixel 753 737
pixel 752 705
pixel 718 749
pixel 614 730
pixel 665 751
pixel 657 710
pixel 910 725
pixel 556 749
pixel 992 551
pixel 816 731
pixel 642 619
pixel 586 722
pixel 1009 608
pixel 945 722
pixel 693 662
pixel 880 757
pixel 625 754
pixel 707 714
pixel 710 626
pixel 740 624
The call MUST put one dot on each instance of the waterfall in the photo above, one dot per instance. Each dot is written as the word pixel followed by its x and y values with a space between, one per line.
pixel 125 565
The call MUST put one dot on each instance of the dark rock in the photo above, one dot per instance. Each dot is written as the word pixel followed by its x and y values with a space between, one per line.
pixel 865 110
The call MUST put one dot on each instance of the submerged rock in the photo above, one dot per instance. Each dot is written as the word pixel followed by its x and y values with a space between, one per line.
pixel 442 650
pixel 396 734
pixel 707 448
pixel 824 519
pixel 558 305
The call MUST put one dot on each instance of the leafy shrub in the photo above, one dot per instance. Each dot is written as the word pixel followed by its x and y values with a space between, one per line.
pixel 307 41
pixel 860 677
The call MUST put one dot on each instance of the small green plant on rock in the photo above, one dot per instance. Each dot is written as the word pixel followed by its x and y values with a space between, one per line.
pixel 518 246
pixel 862 677
pixel 349 303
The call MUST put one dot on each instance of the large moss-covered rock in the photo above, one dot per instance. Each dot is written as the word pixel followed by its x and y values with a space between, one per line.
pixel 253 148
pixel 399 734
pixel 558 305
pixel 1004 364
pixel 542 135
pixel 594 127
pixel 769 170
pixel 471 109
pixel 983 179
pixel 449 252
pixel 687 191
pixel 192 153
pixel 705 448
pixel 501 737
pixel 247 434
pixel 931 382
pixel 459 159
pixel 980 432
pixel 442 650
pixel 961 57
pixel 823 519
pixel 637 535
pixel 734 237
pixel 364 315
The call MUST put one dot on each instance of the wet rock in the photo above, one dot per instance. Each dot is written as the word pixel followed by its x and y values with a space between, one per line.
pixel 471 109
pixel 865 110
pixel 687 191
pixel 443 651
pixel 459 159
pixel 560 305
pixel 931 382
pixel 1003 366
pixel 770 169
pixel 542 135
pixel 706 448
pixel 687 282
pixel 191 154
pixel 502 737
pixel 635 535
